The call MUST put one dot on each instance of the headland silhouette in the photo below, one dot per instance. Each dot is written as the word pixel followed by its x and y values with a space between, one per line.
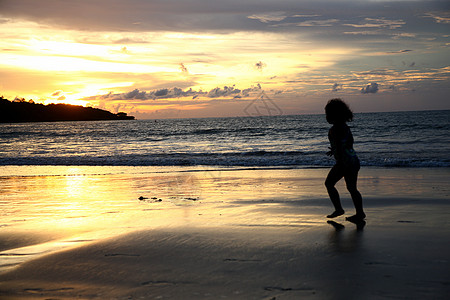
pixel 19 110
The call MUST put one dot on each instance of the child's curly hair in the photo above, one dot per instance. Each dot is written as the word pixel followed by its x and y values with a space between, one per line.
pixel 337 110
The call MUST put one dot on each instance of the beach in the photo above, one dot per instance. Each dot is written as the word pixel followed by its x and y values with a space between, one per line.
pixel 203 232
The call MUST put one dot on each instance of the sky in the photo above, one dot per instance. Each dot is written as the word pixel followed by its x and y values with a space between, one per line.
pixel 220 58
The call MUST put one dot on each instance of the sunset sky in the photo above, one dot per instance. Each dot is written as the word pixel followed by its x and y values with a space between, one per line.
pixel 198 58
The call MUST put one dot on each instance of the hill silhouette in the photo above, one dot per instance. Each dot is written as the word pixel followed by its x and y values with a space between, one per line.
pixel 20 110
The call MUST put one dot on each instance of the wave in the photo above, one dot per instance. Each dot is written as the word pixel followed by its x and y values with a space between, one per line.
pixel 248 159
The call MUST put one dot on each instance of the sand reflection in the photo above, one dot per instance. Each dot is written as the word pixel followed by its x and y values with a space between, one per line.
pixel 66 204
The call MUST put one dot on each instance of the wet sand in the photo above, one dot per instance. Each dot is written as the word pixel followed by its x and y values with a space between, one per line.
pixel 232 234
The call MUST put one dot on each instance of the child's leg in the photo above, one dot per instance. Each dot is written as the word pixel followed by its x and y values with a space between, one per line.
pixel 351 179
pixel 333 177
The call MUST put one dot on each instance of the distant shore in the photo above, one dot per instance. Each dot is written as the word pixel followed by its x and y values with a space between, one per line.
pixel 19 111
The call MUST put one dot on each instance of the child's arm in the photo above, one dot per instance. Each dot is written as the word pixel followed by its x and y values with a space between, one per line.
pixel 331 152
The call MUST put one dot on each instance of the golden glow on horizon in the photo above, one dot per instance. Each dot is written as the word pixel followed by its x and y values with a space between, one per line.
pixel 68 101
pixel 75 64
pixel 67 48
pixel 224 59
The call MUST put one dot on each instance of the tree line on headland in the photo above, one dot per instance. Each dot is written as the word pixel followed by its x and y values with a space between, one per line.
pixel 21 110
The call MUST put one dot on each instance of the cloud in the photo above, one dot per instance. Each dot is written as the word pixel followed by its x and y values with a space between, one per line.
pixel 320 23
pixel 183 68
pixel 205 15
pixel 399 51
pixel 228 91
pixel 379 32
pixel 125 40
pixel 305 16
pixel 269 17
pixel 336 87
pixel 260 65
pixel 393 88
pixel 59 95
pixel 378 72
pixel 371 88
pixel 373 32
pixel 411 64
pixel 404 35
pixel 379 23
pixel 136 94
pixel 175 92
pixel 309 23
pixel 444 18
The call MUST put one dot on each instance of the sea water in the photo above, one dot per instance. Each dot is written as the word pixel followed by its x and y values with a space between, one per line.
pixel 393 139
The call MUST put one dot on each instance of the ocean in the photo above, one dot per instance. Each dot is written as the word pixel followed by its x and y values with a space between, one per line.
pixel 392 139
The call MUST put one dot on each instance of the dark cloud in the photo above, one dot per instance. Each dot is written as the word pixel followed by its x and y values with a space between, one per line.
pixel 207 15
pixel 129 41
pixel 231 91
pixel 166 93
pixel 161 93
pixel 226 91
pixel 134 94
pixel 183 68
pixel 336 87
pixel 138 15
pixel 412 64
pixel 399 51
pixel 260 65
pixel 59 95
pixel 379 72
pixel 371 88
pixel 393 88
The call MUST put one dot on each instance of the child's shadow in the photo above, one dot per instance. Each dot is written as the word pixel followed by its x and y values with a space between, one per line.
pixel 360 224
pixel 350 242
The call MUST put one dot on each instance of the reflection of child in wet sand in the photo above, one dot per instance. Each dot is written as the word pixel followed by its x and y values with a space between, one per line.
pixel 347 163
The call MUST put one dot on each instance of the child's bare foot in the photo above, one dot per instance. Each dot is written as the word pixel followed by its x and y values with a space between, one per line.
pixel 336 213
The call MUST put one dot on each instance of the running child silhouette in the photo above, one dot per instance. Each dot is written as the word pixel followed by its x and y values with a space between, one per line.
pixel 347 163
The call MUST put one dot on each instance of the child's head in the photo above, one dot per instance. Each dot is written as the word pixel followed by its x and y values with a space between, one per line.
pixel 337 111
